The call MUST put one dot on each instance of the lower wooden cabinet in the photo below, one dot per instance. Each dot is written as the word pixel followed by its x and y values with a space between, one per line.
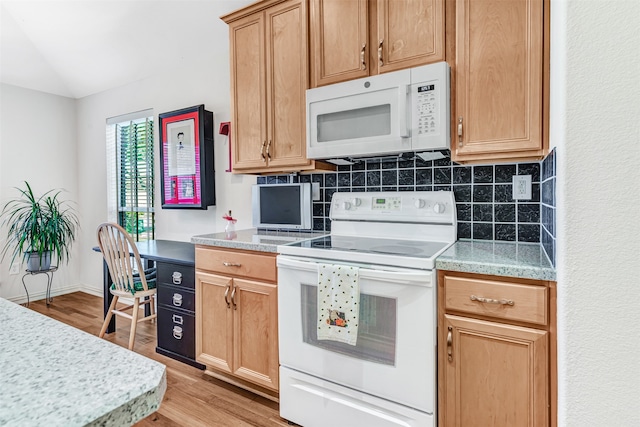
pixel 496 351
pixel 237 320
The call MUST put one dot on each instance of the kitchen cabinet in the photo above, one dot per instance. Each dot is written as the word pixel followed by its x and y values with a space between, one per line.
pixel 269 76
pixel 354 39
pixel 237 320
pixel 496 357
pixel 500 80
pixel 176 312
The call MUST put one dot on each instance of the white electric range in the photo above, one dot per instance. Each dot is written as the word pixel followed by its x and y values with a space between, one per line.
pixel 388 378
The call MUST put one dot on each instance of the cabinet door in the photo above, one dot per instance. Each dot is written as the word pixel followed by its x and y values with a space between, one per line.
pixel 409 33
pixel 248 92
pixel 287 80
pixel 499 79
pixel 339 37
pixel 214 321
pixel 256 332
pixel 497 374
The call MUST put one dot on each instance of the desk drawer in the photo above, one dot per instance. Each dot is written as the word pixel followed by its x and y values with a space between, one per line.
pixel 497 299
pixel 175 296
pixel 176 331
pixel 176 274
pixel 234 263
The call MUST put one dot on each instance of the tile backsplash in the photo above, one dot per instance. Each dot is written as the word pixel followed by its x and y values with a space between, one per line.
pixel 548 206
pixel 483 193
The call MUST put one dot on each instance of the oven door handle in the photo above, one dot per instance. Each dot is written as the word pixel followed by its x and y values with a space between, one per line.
pixel 419 277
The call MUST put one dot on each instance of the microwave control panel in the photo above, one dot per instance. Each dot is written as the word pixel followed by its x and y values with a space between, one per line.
pixel 430 107
pixel 427 109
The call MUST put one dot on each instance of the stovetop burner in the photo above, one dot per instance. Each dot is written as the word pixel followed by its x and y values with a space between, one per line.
pixel 410 248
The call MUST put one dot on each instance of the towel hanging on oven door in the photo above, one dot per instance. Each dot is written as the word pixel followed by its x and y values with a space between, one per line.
pixel 338 303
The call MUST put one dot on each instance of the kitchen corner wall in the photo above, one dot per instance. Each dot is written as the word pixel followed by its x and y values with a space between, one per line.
pixel 548 206
pixel 485 207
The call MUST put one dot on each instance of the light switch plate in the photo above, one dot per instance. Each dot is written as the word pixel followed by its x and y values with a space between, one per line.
pixel 521 187
pixel 315 191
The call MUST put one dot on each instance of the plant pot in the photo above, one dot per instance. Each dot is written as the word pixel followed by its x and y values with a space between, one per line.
pixel 35 262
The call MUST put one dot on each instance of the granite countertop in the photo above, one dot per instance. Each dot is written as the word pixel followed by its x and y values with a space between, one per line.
pixel 524 260
pixel 52 374
pixel 253 239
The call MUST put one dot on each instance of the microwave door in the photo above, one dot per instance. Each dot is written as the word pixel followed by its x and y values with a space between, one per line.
pixel 363 124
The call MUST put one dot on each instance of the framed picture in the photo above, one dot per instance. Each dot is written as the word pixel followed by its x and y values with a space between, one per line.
pixel 186 155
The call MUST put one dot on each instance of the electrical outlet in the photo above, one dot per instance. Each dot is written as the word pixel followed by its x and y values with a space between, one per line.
pixel 315 191
pixel 14 269
pixel 521 187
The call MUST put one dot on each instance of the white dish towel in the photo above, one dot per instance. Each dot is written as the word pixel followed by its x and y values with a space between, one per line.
pixel 338 303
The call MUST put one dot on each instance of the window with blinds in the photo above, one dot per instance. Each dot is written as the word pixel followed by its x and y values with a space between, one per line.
pixel 133 178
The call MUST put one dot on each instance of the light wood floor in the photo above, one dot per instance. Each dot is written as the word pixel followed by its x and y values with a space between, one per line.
pixel 192 397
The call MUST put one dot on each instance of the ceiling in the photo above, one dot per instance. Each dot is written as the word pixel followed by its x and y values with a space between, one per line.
pixel 82 47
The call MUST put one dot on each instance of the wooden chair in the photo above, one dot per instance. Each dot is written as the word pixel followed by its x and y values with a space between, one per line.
pixel 117 246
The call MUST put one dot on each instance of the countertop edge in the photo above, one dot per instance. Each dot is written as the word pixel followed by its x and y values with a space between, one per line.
pixel 521 272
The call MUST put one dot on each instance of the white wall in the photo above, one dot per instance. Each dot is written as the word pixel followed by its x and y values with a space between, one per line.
pixel 598 139
pixel 208 85
pixel 38 144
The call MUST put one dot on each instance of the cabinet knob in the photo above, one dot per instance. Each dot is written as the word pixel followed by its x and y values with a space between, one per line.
pixel 492 301
pixel 177 319
pixel 231 264
pixel 380 61
pixel 362 60
pixel 450 344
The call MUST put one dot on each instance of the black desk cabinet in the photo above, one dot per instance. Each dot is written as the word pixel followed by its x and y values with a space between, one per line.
pixel 176 312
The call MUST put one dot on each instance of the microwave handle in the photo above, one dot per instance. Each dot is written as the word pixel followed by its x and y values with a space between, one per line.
pixel 403 122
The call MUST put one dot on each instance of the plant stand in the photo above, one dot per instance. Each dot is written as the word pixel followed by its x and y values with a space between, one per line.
pixel 49 273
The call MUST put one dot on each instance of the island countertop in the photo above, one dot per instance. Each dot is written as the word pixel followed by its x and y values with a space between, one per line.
pixel 52 374
pixel 511 259
pixel 253 239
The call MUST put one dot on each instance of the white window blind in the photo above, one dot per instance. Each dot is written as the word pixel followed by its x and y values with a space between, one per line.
pixel 130 153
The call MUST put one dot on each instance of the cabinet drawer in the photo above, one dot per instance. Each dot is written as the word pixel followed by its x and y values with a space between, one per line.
pixel 176 331
pixel 175 296
pixel 501 300
pixel 176 274
pixel 244 264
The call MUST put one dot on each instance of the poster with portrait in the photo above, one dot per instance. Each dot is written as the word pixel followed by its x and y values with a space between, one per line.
pixel 181 150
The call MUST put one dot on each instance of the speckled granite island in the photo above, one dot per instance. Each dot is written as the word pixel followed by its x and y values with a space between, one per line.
pixel 511 259
pixel 253 239
pixel 52 374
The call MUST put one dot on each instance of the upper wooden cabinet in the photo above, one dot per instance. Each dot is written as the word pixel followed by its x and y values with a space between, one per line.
pixel 269 76
pixel 353 39
pixel 501 86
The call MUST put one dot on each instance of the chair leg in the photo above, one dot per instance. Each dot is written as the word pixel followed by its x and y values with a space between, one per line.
pixel 152 305
pixel 107 319
pixel 134 321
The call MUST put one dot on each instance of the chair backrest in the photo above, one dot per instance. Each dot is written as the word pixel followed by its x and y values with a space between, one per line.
pixel 117 248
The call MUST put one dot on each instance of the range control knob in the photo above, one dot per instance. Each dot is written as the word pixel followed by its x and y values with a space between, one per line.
pixel 419 203
pixel 438 208
pixel 355 201
pixel 346 205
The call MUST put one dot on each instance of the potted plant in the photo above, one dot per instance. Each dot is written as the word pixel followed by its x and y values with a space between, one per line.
pixel 39 228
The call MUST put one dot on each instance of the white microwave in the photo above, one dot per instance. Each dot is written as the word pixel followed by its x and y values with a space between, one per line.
pixel 282 206
pixel 406 110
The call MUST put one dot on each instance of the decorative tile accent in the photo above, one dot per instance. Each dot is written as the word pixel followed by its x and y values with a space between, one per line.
pixel 548 206
pixel 483 193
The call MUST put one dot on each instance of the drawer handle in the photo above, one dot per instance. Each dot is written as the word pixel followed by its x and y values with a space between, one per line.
pixel 177 278
pixel 492 301
pixel 450 344
pixel 231 264
pixel 177 332
pixel 177 319
pixel 226 296
pixel 177 300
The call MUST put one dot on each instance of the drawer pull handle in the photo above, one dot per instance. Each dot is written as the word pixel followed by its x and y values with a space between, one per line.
pixel 492 301
pixel 231 264
pixel 226 296
pixel 450 344
pixel 177 319
pixel 177 300
pixel 177 332
pixel 233 298
pixel 177 278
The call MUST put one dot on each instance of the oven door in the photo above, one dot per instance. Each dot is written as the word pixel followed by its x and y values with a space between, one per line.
pixel 395 353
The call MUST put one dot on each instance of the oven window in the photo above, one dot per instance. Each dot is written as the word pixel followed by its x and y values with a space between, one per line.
pixel 376 328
